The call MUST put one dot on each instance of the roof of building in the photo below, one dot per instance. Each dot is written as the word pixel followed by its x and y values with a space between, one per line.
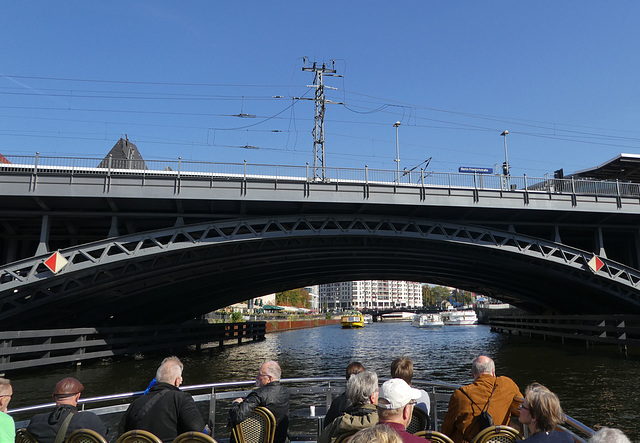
pixel 124 150
pixel 624 167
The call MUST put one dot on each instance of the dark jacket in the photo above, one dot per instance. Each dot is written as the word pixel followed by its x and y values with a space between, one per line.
pixel 272 396
pixel 45 426
pixel 165 411
pixel 338 406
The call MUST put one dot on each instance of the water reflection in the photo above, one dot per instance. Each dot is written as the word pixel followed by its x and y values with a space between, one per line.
pixel 595 388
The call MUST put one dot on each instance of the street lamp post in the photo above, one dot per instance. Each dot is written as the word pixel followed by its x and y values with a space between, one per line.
pixel 397 125
pixel 505 168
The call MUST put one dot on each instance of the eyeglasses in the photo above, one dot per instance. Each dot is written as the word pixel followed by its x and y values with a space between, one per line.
pixel 6 395
pixel 524 407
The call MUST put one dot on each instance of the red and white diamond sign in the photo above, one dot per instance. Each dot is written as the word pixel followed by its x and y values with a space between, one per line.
pixel 595 263
pixel 56 262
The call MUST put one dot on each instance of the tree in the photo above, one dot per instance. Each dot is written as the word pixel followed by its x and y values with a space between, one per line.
pixel 433 296
pixel 298 298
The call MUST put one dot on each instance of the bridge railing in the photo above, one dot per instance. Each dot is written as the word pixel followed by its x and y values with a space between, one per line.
pixel 186 168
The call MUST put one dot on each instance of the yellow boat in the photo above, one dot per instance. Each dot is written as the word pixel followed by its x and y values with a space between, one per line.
pixel 352 319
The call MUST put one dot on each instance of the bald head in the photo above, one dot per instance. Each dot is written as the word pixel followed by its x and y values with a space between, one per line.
pixel 483 365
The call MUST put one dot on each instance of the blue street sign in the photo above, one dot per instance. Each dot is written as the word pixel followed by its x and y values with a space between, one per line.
pixel 476 170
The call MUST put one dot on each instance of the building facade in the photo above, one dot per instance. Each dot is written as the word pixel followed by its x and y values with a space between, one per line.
pixel 371 294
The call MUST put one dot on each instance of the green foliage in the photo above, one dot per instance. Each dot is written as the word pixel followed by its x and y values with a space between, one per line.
pixel 236 317
pixel 433 296
pixel 328 316
pixel 298 298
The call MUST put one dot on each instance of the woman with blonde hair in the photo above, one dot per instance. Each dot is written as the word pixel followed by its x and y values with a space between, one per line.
pixel 541 412
pixel 376 434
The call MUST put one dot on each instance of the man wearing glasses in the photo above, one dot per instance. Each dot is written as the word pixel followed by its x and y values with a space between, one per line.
pixel 7 426
pixel 395 407
pixel 271 395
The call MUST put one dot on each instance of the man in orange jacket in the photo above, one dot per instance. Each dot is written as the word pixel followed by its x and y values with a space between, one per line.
pixel 500 396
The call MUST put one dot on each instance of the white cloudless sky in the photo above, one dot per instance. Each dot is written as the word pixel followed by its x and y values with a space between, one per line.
pixel 221 81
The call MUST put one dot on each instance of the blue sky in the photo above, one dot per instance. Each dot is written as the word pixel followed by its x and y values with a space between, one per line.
pixel 561 76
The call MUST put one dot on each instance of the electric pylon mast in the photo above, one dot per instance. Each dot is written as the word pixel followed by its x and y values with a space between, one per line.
pixel 320 100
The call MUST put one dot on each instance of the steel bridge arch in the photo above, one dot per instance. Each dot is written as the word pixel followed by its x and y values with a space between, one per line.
pixel 176 274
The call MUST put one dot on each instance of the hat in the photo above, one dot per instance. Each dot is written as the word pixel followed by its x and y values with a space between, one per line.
pixel 396 393
pixel 68 387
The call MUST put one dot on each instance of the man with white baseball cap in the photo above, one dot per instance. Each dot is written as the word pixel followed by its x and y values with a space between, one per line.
pixel 395 407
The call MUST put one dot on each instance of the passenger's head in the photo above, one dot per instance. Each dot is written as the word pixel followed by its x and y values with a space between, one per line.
pixel 67 391
pixel 354 368
pixel 609 435
pixel 170 371
pixel 402 368
pixel 541 409
pixel 269 372
pixel 376 434
pixel 483 365
pixel 362 388
pixel 6 391
pixel 396 400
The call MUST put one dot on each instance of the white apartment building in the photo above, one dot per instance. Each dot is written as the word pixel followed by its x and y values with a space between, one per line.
pixel 371 294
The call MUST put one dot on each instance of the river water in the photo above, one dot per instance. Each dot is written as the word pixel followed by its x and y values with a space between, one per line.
pixel 596 387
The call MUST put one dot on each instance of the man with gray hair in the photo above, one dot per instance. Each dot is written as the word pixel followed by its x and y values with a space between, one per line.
pixel 7 426
pixel 395 407
pixel 609 435
pixel 499 396
pixel 270 394
pixel 165 410
pixel 362 390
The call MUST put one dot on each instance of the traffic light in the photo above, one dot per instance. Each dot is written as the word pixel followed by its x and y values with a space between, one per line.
pixel 505 168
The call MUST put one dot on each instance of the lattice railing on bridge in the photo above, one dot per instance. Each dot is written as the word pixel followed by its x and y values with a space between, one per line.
pixel 117 258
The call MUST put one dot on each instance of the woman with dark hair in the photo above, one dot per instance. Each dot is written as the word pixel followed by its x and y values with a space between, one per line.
pixel 541 412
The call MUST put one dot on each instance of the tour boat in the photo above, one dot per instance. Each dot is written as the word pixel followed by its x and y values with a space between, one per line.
pixel 398 316
pixel 427 321
pixel 352 319
pixel 460 318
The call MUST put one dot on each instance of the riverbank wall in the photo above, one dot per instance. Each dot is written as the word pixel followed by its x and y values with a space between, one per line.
pixel 288 325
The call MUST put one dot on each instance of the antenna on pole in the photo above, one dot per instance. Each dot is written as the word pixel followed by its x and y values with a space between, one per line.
pixel 320 100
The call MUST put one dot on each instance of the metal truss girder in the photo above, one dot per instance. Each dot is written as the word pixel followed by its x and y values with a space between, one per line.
pixel 116 263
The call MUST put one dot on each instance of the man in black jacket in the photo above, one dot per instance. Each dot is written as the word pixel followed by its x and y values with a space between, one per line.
pixel 65 417
pixel 269 394
pixel 165 410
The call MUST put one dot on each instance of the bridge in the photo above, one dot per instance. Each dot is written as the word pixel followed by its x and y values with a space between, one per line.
pixel 160 242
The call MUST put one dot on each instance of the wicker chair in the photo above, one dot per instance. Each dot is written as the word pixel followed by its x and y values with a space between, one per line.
pixel 194 437
pixel 419 421
pixel 497 434
pixel 85 436
pixel 138 436
pixel 434 436
pixel 24 436
pixel 258 427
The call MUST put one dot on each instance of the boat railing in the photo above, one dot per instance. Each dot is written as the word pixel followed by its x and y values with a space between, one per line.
pixel 214 400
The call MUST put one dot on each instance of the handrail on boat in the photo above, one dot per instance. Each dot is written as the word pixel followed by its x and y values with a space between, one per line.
pixel 440 392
